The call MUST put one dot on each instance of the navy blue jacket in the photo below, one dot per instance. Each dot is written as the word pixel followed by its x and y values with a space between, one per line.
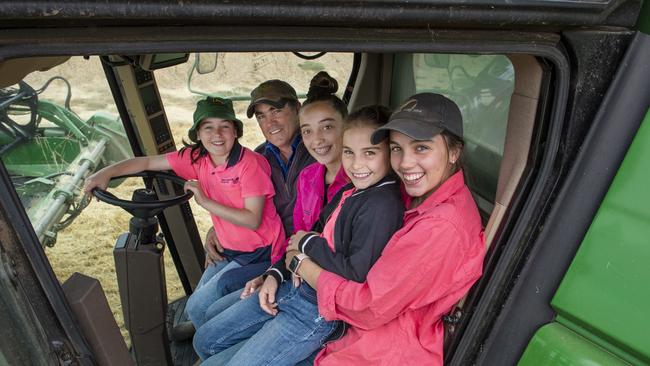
pixel 365 224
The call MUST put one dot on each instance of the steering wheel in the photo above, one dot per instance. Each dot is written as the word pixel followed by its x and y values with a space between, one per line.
pixel 145 202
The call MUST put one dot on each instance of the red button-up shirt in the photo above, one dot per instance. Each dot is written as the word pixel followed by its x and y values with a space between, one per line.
pixel 428 265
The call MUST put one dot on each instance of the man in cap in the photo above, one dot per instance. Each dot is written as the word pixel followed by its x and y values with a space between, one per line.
pixel 275 105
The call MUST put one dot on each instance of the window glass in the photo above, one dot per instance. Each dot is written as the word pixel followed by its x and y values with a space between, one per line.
pixel 57 127
pixel 481 86
pixel 235 76
pixel 53 122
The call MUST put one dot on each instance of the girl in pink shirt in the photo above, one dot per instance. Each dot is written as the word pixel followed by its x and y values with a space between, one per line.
pixel 427 266
pixel 233 183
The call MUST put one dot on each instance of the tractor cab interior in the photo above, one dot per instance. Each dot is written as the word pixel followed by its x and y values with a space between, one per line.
pixel 499 94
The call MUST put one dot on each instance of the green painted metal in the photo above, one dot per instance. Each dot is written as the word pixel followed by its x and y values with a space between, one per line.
pixel 41 156
pixel 555 344
pixel 64 118
pixel 643 22
pixel 604 296
pixel 48 150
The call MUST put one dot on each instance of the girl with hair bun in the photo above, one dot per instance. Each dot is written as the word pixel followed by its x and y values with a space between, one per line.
pixel 321 127
pixel 348 238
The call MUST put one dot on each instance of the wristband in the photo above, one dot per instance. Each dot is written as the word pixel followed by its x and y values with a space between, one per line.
pixel 275 273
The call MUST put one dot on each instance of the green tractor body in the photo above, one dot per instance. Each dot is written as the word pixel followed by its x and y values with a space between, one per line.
pixel 48 150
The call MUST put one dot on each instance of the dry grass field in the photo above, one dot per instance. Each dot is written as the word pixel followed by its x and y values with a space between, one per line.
pixel 86 246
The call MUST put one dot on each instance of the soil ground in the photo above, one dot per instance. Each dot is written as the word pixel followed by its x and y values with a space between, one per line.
pixel 86 246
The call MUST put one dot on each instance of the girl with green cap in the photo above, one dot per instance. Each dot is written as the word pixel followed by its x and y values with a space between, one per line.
pixel 230 181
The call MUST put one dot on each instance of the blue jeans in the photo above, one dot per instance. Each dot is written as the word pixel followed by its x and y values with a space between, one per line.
pixel 286 339
pixel 236 279
pixel 222 304
pixel 219 280
pixel 222 358
pixel 207 291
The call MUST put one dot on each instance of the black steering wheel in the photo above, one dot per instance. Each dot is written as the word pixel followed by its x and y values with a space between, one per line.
pixel 145 202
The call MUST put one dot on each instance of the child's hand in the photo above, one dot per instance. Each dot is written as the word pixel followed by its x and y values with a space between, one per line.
pixel 297 280
pixel 97 180
pixel 290 254
pixel 199 196
pixel 212 248
pixel 295 239
pixel 267 296
pixel 251 287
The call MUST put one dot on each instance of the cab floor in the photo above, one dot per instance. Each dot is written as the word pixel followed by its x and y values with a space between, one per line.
pixel 182 352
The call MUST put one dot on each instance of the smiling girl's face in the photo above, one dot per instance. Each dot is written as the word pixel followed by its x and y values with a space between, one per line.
pixel 364 163
pixel 321 127
pixel 218 137
pixel 421 164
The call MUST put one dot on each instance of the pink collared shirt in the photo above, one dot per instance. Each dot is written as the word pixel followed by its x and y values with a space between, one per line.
pixel 310 192
pixel 229 186
pixel 428 265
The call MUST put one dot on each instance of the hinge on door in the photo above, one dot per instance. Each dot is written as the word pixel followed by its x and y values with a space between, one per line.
pixel 63 353
pixel 9 266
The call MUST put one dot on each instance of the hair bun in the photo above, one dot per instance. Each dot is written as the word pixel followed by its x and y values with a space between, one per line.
pixel 322 84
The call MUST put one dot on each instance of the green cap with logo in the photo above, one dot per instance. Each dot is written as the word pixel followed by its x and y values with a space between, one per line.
pixel 214 107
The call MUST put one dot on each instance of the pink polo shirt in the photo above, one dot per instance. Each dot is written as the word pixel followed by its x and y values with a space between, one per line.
pixel 426 267
pixel 246 174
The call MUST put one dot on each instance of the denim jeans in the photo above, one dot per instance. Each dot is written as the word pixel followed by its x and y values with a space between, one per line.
pixel 222 304
pixel 286 339
pixel 236 279
pixel 207 291
pixel 222 358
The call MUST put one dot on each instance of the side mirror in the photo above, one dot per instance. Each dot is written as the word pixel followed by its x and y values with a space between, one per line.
pixel 205 62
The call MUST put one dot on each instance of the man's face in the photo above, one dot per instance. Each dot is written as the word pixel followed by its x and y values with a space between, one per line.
pixel 279 125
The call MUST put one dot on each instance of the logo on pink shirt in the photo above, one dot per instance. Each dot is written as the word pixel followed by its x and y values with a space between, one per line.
pixel 234 180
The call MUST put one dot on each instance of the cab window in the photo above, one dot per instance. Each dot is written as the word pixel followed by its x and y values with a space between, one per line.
pixel 482 86
pixel 236 74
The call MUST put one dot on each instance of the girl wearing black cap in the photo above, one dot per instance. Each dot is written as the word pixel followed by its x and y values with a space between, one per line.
pixel 428 265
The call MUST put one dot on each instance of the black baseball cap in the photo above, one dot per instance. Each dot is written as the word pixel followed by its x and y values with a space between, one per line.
pixel 421 117
pixel 272 92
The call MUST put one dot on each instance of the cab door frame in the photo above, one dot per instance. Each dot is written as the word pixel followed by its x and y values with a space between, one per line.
pixel 373 26
pixel 527 305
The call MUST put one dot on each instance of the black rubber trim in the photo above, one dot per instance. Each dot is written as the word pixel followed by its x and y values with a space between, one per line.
pixel 393 13
pixel 613 130
pixel 120 41
pixel 309 57
pixel 349 89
